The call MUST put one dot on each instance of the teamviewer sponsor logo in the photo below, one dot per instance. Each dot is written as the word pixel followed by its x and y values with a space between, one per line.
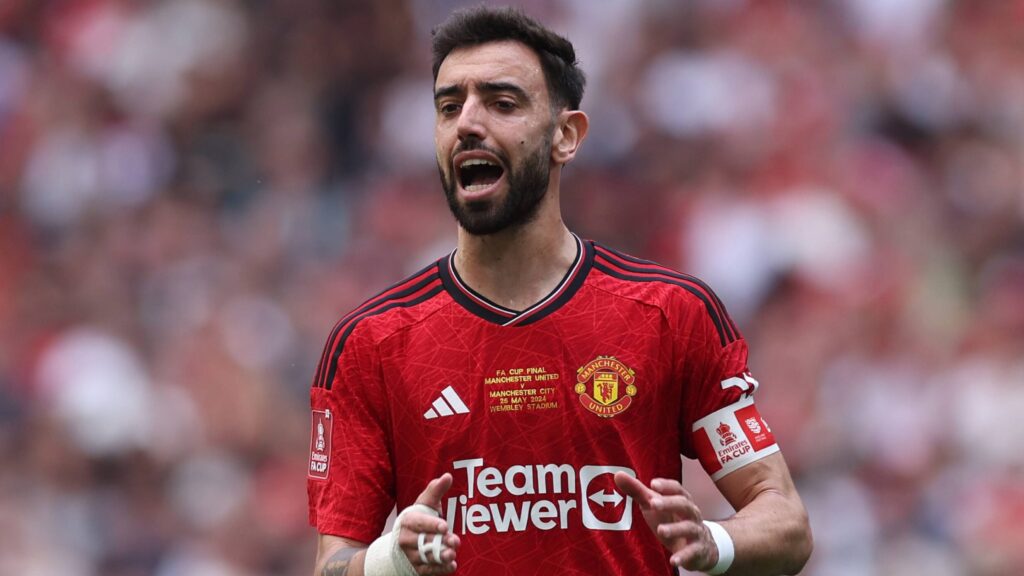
pixel 602 498
pixel 447 404
pixel 539 497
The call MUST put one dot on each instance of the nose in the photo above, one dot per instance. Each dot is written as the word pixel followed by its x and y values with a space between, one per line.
pixel 471 120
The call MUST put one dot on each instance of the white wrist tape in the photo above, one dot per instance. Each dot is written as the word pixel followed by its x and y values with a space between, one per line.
pixel 385 557
pixel 726 549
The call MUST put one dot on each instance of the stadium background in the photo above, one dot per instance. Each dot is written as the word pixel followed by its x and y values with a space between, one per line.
pixel 192 191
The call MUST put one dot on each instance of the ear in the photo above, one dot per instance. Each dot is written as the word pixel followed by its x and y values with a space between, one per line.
pixel 571 129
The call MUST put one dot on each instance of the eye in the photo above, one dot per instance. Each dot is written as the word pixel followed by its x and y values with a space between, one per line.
pixel 505 105
pixel 448 108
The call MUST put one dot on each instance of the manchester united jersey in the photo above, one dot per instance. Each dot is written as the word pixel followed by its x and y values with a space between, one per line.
pixel 623 367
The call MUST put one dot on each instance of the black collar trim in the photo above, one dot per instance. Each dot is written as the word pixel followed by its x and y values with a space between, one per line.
pixel 479 305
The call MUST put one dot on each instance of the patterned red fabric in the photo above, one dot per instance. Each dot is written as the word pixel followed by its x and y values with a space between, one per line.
pixel 531 412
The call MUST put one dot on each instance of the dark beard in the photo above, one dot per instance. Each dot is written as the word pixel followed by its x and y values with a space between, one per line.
pixel 527 186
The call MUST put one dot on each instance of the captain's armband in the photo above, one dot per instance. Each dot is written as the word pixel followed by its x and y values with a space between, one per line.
pixel 732 437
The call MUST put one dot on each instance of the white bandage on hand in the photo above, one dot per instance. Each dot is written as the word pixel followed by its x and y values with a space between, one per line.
pixel 385 557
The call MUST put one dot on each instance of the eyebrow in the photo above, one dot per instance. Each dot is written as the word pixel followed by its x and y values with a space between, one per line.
pixel 486 87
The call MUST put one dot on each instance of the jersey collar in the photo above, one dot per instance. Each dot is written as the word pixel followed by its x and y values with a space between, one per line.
pixel 480 306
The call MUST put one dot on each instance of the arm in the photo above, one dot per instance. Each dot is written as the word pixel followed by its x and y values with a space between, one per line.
pixel 770 530
pixel 337 556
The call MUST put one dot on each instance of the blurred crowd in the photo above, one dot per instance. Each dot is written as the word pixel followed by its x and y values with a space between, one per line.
pixel 192 192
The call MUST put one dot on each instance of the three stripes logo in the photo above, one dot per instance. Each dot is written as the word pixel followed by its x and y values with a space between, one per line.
pixel 447 404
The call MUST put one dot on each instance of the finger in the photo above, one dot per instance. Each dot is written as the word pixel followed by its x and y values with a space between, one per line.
pixel 679 507
pixel 425 561
pixel 635 489
pixel 408 540
pixel 448 556
pixel 695 556
pixel 686 530
pixel 409 537
pixel 436 488
pixel 414 523
pixel 669 487
pixel 430 569
pixel 448 553
pixel 434 569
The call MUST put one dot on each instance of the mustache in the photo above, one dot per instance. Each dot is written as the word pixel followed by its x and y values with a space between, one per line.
pixel 472 143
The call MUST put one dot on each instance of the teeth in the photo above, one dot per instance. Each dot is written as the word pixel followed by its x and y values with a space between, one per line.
pixel 476 187
pixel 477 162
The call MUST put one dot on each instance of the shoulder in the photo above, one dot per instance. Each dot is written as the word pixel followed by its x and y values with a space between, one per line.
pixel 401 304
pixel 679 295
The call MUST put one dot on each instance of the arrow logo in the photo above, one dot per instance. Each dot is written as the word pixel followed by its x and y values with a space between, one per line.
pixel 603 497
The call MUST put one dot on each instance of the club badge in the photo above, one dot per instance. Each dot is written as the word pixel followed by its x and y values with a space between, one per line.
pixel 606 386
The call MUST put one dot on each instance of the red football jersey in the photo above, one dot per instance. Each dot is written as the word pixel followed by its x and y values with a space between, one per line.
pixel 625 366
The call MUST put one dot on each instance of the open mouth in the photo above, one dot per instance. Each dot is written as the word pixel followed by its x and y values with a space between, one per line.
pixel 476 174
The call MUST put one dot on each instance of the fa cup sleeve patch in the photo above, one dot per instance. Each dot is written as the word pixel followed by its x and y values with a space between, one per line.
pixel 732 437
pixel 320 445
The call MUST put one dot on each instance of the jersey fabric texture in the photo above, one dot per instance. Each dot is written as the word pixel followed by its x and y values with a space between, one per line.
pixel 622 368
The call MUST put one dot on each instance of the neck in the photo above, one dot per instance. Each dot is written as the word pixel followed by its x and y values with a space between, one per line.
pixel 517 267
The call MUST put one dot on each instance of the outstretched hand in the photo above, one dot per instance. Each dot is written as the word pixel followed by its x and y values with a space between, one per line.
pixel 675 519
pixel 415 523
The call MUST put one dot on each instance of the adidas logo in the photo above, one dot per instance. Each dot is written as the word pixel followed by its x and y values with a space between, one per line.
pixel 447 404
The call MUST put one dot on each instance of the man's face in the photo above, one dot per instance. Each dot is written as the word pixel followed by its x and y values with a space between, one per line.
pixel 493 135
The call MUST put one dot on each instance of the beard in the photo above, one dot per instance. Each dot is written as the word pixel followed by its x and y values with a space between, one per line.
pixel 527 186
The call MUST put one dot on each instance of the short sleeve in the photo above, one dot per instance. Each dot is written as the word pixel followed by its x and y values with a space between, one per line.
pixel 719 423
pixel 350 480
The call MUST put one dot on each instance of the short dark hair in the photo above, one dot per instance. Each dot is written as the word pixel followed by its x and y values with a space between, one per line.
pixel 480 25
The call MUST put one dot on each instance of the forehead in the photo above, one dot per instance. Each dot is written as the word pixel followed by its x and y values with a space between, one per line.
pixel 505 61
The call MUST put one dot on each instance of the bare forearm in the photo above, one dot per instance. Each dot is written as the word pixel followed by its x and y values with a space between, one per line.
pixel 339 558
pixel 771 535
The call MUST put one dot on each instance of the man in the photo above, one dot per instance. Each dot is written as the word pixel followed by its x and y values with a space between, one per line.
pixel 523 398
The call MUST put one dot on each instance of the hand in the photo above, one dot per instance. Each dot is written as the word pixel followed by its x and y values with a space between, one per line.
pixel 675 519
pixel 416 523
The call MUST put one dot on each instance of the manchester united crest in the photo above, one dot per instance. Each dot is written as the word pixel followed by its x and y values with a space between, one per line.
pixel 606 386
